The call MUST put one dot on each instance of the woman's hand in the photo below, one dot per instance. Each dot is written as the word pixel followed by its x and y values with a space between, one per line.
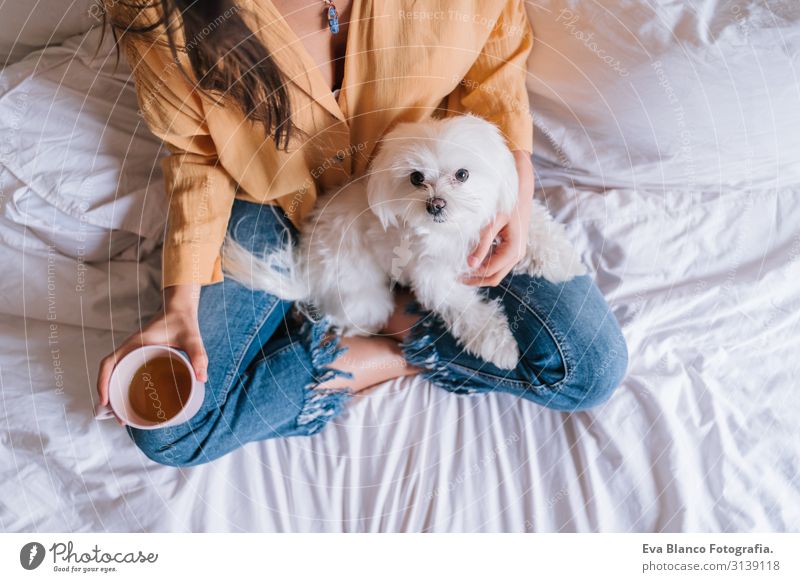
pixel 488 269
pixel 175 325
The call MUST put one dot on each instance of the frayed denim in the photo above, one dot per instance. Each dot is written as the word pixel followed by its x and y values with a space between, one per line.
pixel 573 353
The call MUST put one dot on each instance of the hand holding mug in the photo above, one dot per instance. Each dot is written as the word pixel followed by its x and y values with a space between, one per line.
pixel 175 325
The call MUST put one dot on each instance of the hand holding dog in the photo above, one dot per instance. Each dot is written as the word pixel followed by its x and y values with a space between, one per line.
pixel 431 184
pixel 491 268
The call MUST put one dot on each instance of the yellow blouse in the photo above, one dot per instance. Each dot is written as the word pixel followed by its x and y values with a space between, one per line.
pixel 404 62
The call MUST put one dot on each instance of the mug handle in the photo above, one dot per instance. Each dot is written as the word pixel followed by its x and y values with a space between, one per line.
pixel 103 412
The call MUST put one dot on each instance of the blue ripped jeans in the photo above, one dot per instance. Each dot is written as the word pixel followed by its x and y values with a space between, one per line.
pixel 264 365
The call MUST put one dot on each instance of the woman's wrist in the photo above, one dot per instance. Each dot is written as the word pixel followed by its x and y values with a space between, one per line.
pixel 522 159
pixel 183 298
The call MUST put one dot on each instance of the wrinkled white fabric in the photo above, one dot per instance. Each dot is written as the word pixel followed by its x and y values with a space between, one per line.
pixel 701 436
pixel 76 160
pixel 26 26
pixel 693 95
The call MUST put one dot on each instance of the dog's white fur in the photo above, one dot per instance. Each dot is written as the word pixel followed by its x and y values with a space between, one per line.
pixel 377 230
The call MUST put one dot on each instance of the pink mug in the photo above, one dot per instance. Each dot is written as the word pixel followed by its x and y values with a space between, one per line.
pixel 119 390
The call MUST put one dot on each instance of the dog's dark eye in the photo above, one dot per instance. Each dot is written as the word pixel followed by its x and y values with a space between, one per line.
pixel 417 178
pixel 462 175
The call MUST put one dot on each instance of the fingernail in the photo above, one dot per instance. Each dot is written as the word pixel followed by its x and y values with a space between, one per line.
pixel 472 261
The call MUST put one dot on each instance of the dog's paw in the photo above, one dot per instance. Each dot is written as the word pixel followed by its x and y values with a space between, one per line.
pixel 359 314
pixel 549 255
pixel 557 265
pixel 493 342
pixel 565 267
pixel 350 328
pixel 505 357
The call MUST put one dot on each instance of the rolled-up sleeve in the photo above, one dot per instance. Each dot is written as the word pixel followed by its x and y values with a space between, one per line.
pixel 494 87
pixel 200 191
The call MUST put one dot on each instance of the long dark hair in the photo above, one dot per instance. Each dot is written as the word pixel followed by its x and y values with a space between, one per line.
pixel 226 58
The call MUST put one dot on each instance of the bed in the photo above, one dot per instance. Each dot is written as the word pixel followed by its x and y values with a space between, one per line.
pixel 666 141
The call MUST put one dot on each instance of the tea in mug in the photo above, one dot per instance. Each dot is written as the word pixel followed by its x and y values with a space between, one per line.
pixel 160 388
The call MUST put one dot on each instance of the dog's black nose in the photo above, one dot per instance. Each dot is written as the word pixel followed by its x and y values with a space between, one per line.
pixel 436 205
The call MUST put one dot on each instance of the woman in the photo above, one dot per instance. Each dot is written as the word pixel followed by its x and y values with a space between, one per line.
pixel 262 105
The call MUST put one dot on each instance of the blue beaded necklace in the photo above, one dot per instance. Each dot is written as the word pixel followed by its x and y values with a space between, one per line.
pixel 333 16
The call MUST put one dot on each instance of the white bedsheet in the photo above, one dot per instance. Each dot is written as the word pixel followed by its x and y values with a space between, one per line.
pixel 701 436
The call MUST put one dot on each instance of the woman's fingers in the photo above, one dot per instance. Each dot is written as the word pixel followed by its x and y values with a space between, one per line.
pixel 107 366
pixel 502 259
pixel 485 244
pixel 496 268
pixel 197 356
pixel 103 376
pixel 108 363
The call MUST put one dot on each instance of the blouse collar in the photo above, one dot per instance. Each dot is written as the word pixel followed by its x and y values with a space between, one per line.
pixel 291 56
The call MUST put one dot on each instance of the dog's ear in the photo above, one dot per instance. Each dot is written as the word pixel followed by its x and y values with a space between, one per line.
pixel 385 214
pixel 379 196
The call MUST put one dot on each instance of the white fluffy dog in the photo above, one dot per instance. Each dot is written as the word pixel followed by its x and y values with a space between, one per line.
pixel 413 220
